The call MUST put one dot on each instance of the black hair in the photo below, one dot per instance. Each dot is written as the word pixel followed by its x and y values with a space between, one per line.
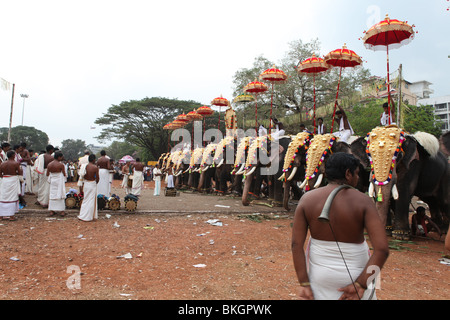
pixel 138 160
pixel 302 125
pixel 420 209
pixel 103 152
pixel 337 165
pixel 320 118
pixel 385 105
pixel 91 157
pixel 5 144
pixel 23 145
pixel 10 153
pixel 16 146
pixel 58 154
pixel 49 147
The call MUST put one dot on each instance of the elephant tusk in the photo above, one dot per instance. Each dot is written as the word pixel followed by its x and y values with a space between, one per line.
pixel 294 171
pixel 394 192
pixel 186 170
pixel 241 170
pixel 371 190
pixel 283 177
pixel 303 184
pixel 319 181
pixel 220 163
pixel 252 170
pixel 205 168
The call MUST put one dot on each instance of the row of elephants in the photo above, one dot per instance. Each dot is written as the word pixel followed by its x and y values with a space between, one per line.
pixel 394 167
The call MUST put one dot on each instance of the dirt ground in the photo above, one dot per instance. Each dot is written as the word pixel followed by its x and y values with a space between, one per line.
pixel 170 249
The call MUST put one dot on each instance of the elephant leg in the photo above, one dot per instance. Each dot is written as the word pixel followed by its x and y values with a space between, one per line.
pixel 436 214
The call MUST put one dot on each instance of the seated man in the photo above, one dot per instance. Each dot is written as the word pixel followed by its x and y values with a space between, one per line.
pixel 421 224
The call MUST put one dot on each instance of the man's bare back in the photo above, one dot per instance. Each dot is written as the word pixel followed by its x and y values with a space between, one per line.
pixel 10 168
pixel 55 166
pixel 103 163
pixel 47 159
pixel 138 166
pixel 91 173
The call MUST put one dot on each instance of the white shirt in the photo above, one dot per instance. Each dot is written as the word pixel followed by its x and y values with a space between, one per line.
pixel 155 172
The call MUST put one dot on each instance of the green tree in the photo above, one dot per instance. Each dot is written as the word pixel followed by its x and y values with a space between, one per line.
pixel 34 138
pixel 73 149
pixel 296 95
pixel 141 122
pixel 421 118
pixel 118 149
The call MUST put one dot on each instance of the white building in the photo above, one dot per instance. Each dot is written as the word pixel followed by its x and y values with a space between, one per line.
pixel 421 89
pixel 441 109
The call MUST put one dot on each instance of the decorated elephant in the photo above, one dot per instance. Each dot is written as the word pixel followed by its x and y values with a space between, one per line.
pixel 269 166
pixel 239 164
pixel 194 167
pixel 320 148
pixel 294 166
pixel 207 169
pixel 223 157
pixel 181 169
pixel 402 166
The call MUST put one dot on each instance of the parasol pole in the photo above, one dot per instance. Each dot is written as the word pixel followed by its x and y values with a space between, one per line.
pixel 335 103
pixel 389 87
pixel 314 80
pixel 256 114
pixel 270 120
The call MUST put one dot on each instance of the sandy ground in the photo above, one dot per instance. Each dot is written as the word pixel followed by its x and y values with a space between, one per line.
pixel 168 249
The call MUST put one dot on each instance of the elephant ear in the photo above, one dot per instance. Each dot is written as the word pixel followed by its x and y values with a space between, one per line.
pixel 409 151
pixel 358 149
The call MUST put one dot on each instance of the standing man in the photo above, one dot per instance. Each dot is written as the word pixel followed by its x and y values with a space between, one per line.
pixel 5 148
pixel 104 166
pixel 126 168
pixel 90 174
pixel 44 187
pixel 345 129
pixel 157 178
pixel 56 174
pixel 10 173
pixel 386 117
pixel 328 275
pixel 84 160
pixel 321 127
pixel 278 128
pixel 138 177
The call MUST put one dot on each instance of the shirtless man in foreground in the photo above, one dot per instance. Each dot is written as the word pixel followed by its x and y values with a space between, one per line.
pixel 351 213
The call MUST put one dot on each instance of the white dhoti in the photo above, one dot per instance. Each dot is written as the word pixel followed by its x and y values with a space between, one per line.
pixel 9 196
pixel 57 194
pixel 24 167
pixel 88 210
pixel 44 189
pixel 170 183
pixel 103 186
pixel 327 272
pixel 125 184
pixel 29 180
pixel 138 182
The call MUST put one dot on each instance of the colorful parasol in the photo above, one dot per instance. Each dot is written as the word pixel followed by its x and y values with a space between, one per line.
pixel 313 65
pixel 183 118
pixel 273 75
pixel 193 116
pixel 243 98
pixel 205 111
pixel 255 87
pixel 342 58
pixel 385 35
pixel 220 102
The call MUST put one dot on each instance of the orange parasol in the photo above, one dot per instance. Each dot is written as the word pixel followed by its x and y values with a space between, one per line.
pixel 255 87
pixel 385 35
pixel 273 75
pixel 221 102
pixel 205 111
pixel 342 58
pixel 313 65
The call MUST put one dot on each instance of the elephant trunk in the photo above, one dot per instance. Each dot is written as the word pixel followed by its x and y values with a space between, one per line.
pixel 286 194
pixel 245 192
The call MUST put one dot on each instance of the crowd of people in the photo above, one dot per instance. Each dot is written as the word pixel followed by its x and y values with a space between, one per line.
pixel 23 172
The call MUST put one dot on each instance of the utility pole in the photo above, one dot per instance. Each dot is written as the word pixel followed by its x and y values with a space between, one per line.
pixel 399 102
pixel 10 117
pixel 24 96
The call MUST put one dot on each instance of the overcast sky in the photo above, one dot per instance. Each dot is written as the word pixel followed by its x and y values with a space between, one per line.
pixel 77 58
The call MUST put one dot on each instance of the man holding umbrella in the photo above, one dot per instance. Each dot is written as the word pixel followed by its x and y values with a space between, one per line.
pixel 345 129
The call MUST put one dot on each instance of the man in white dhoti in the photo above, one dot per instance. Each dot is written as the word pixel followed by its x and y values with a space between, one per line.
pixel 170 183
pixel 10 175
pixel 345 129
pixel 104 166
pixel 56 174
pixel 82 161
pixel 339 265
pixel 90 174
pixel 277 129
pixel 138 177
pixel 41 169
pixel 157 178
pixel 126 174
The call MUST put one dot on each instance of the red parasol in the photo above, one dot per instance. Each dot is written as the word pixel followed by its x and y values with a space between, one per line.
pixel 313 65
pixel 205 111
pixel 255 87
pixel 342 58
pixel 183 118
pixel 193 116
pixel 273 75
pixel 385 35
pixel 221 102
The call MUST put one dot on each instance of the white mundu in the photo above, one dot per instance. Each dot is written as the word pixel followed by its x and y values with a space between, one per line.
pixel 57 194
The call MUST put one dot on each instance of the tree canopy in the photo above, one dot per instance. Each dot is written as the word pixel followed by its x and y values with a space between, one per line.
pixel 34 138
pixel 140 122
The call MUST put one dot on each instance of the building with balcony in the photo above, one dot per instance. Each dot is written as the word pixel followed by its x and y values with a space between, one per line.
pixel 441 110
